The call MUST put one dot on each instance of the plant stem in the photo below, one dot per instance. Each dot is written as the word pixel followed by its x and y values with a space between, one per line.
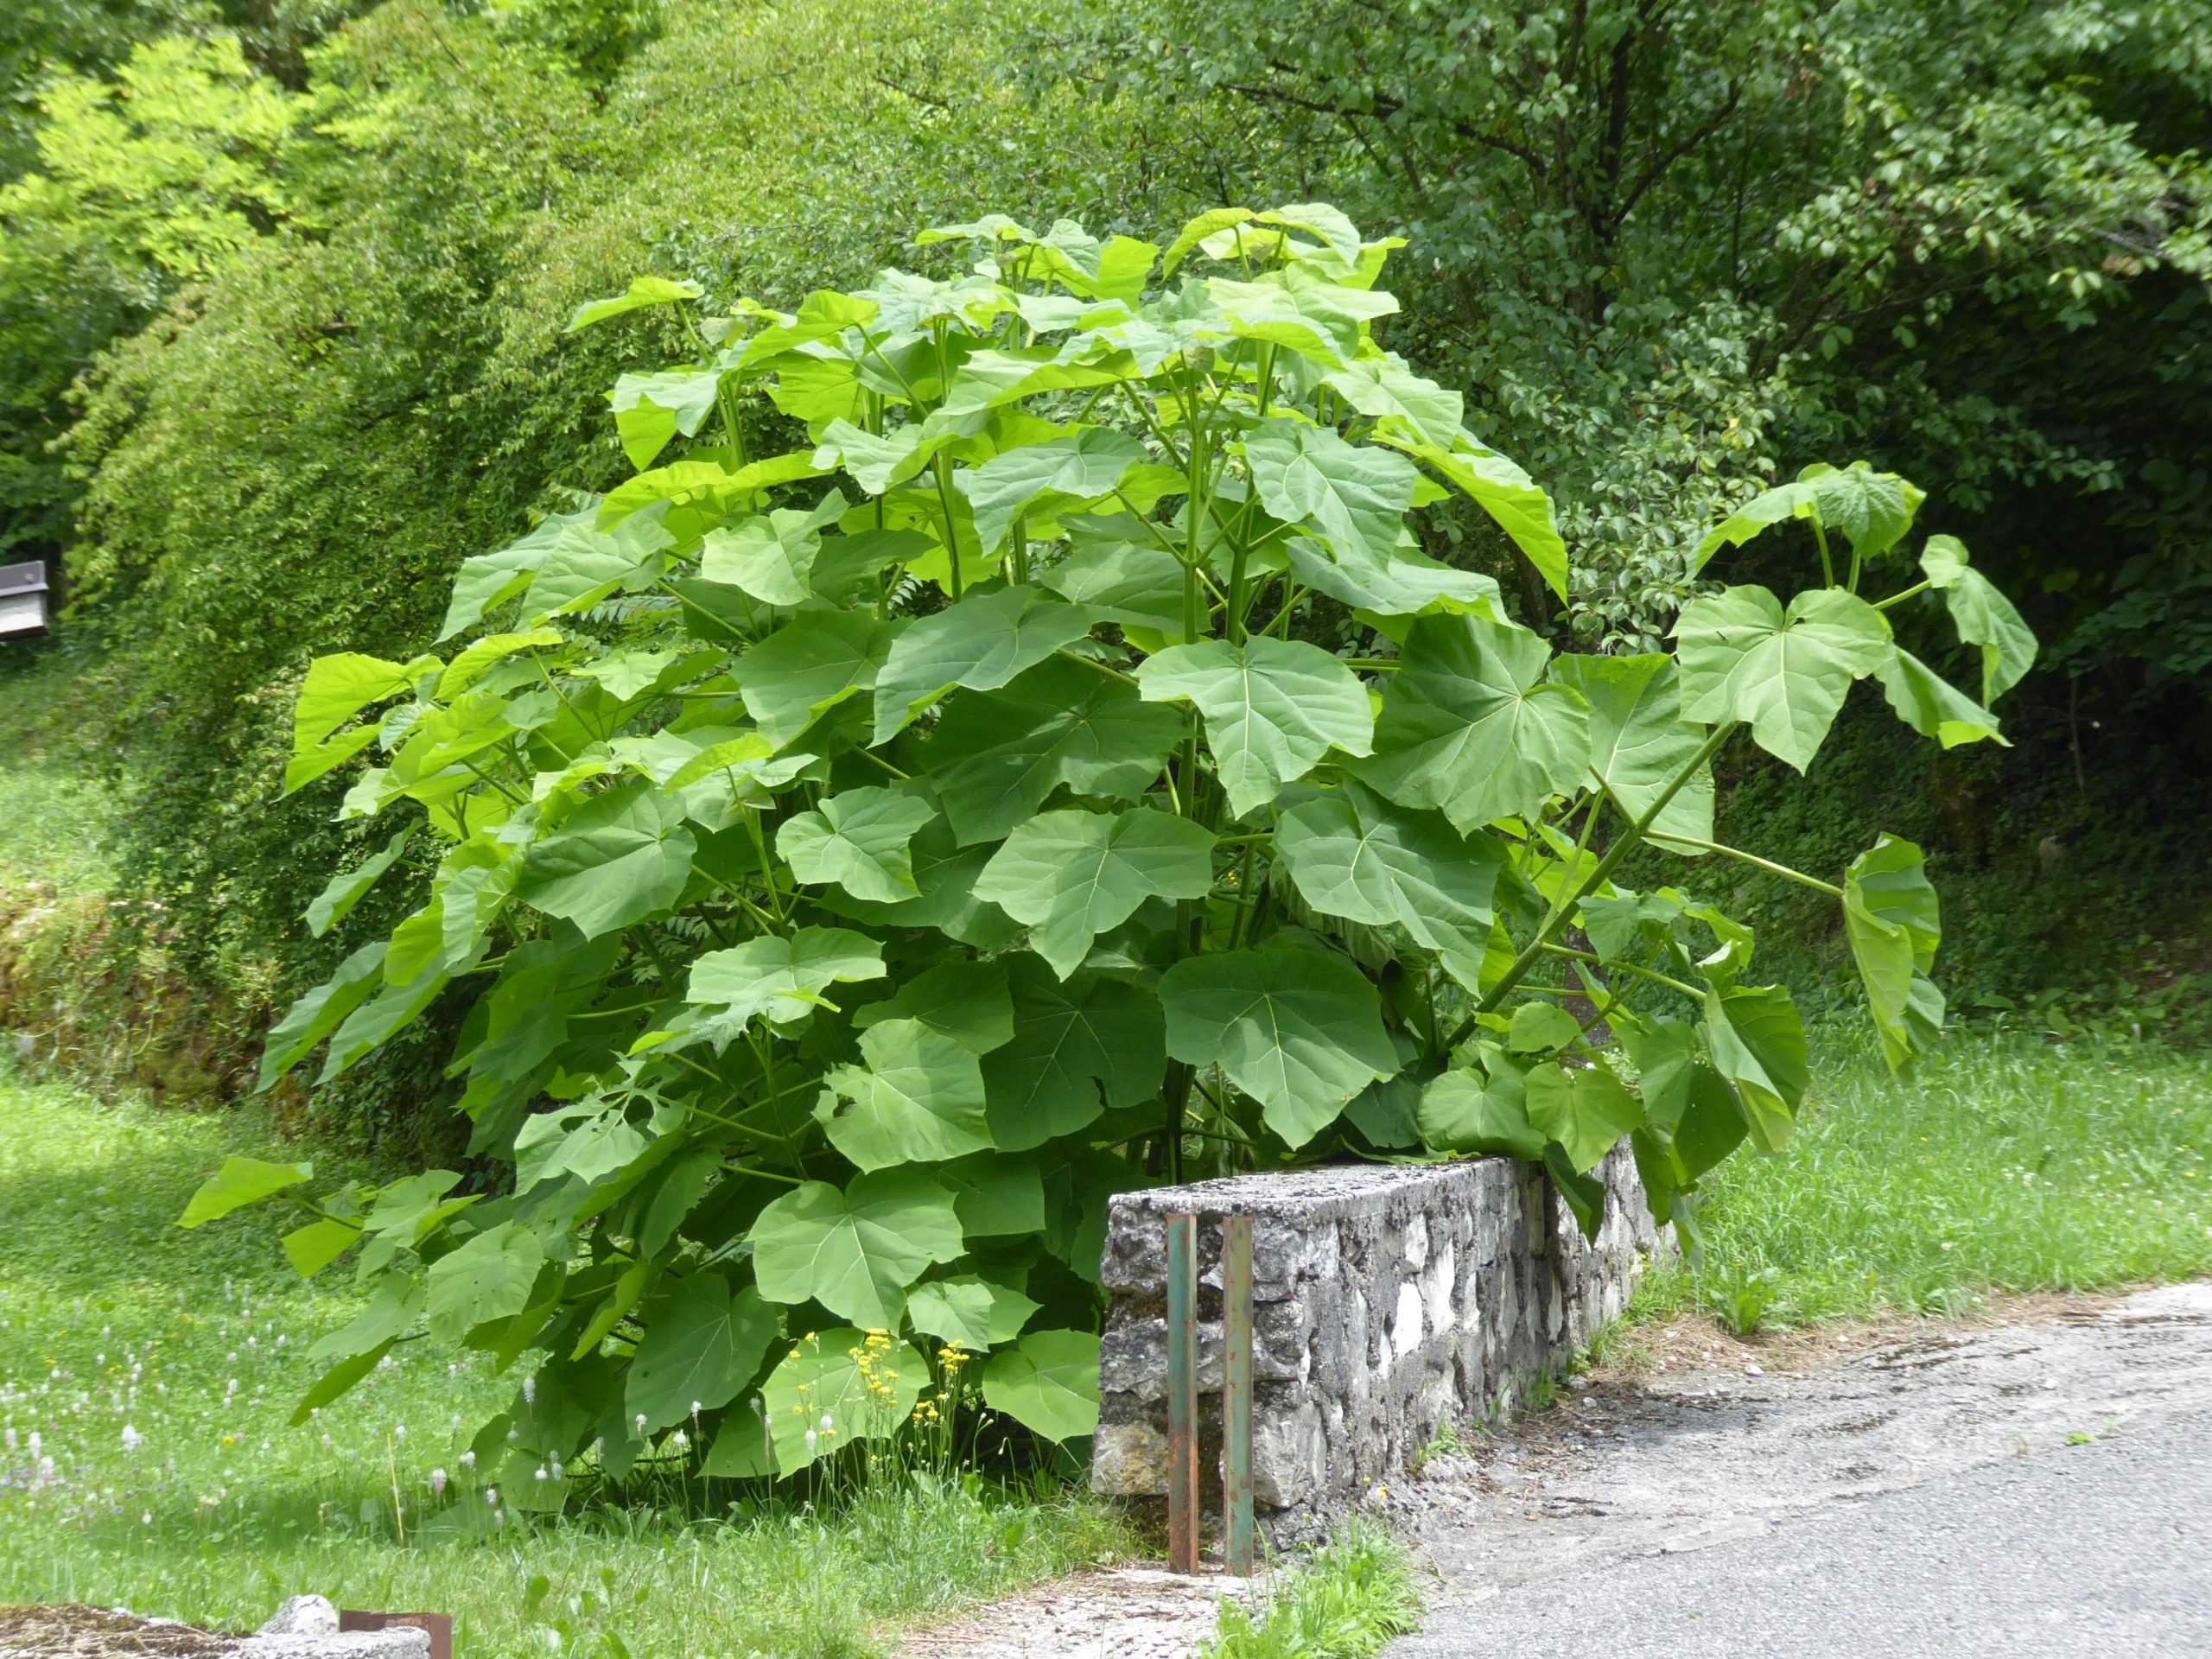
pixel 1766 864
pixel 1899 599
pixel 942 466
pixel 1827 565
pixel 1623 966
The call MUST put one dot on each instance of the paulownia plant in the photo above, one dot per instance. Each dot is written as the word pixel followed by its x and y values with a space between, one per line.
pixel 865 858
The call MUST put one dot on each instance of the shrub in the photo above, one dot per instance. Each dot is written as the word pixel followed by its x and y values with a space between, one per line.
pixel 860 860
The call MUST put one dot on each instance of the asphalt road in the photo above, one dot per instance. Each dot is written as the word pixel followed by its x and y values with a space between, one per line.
pixel 2021 1491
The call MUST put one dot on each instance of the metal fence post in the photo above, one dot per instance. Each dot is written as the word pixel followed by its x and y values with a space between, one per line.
pixel 1182 1394
pixel 1236 1392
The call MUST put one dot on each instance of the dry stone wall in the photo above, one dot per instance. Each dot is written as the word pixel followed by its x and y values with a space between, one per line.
pixel 1387 1301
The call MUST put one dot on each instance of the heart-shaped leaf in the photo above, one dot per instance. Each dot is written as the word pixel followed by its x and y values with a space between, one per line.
pixel 855 1251
pixel 1468 727
pixel 1048 1382
pixel 701 1345
pixel 1295 1026
pixel 1272 709
pixel 1784 673
pixel 1071 875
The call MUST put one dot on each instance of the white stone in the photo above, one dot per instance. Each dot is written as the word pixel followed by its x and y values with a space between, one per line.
pixel 302 1616
pixel 1405 1327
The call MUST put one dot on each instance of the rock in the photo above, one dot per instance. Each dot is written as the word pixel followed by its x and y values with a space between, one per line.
pixel 302 1616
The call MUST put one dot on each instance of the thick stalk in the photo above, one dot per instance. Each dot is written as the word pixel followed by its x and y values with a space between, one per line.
pixel 1620 849
pixel 942 468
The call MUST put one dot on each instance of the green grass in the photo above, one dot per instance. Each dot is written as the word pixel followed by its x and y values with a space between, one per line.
pixel 55 805
pixel 1344 1601
pixel 2006 1164
pixel 111 1316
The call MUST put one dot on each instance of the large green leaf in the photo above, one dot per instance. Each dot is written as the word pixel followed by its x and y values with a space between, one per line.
pixel 591 1138
pixel 981 643
pixel 1985 618
pixel 1585 1108
pixel 321 1011
pixel 339 687
pixel 1405 584
pixel 617 859
pixel 1297 1028
pixel 487 1278
pixel 919 1098
pixel 834 1388
pixel 1355 856
pixel 1931 705
pixel 1000 754
pixel 346 889
pixel 1872 509
pixel 782 979
pixel 1354 495
pixel 808 666
pixel 1892 919
pixel 1483 1110
pixel 643 291
pixel 1298 307
pixel 974 1312
pixel 1501 489
pixel 1468 727
pixel 1385 386
pixel 1757 1042
pixel 650 409
pixel 996 1194
pixel 239 1182
pixel 1070 877
pixel 855 1251
pixel 486 580
pixel 1043 477
pixel 1129 582
pixel 1048 1382
pixel 1273 708
pixel 945 874
pixel 965 999
pixel 701 1345
pixel 1638 739
pixel 771 555
pixel 1786 674
pixel 858 840
pixel 1078 1048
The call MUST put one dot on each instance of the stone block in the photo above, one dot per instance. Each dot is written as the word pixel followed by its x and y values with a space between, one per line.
pixel 1389 1301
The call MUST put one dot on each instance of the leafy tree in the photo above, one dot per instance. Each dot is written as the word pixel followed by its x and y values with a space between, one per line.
pixel 138 186
pixel 866 855
pixel 1676 246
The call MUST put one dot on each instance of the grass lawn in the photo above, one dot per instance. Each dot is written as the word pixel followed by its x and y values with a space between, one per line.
pixel 54 806
pixel 110 1318
pixel 2006 1163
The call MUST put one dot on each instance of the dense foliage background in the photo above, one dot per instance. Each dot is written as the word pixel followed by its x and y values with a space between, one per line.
pixel 283 281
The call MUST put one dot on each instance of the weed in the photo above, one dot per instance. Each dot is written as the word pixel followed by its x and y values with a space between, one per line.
pixel 1345 1601
pixel 1447 1442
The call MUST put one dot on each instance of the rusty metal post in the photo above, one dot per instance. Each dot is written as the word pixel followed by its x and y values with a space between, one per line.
pixel 1236 1392
pixel 1182 1394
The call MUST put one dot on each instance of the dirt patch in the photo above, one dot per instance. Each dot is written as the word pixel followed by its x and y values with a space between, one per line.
pixel 71 1629
pixel 1129 1613
pixel 1640 1355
